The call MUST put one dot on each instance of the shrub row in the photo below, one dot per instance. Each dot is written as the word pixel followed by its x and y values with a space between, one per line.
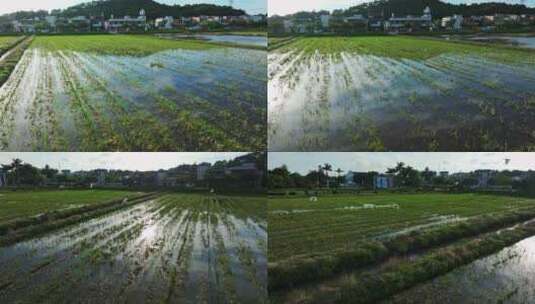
pixel 10 62
pixel 371 287
pixel 18 230
pixel 299 270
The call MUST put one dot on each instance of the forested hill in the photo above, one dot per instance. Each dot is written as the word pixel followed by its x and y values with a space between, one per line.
pixel 438 8
pixel 131 7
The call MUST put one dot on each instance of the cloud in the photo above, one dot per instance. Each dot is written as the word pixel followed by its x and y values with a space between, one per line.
pixel 453 162
pixel 125 161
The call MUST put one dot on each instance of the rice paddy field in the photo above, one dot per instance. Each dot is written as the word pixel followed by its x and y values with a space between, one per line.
pixel 133 93
pixel 19 204
pixel 159 248
pixel 399 248
pixel 399 94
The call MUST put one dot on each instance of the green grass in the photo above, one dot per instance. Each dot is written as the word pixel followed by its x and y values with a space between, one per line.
pixel 129 45
pixel 326 229
pixel 7 42
pixel 400 47
pixel 20 204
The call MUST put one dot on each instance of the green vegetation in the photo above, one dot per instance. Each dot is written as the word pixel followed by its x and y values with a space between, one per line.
pixel 12 54
pixel 314 228
pixel 403 47
pixel 122 45
pixel 7 42
pixel 26 203
pixel 185 96
pixel 171 247
pixel 399 93
pixel 313 241
pixel 375 285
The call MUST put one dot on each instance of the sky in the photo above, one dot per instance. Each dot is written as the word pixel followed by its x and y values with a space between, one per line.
pixel 9 6
pixel 124 161
pixel 285 7
pixel 364 162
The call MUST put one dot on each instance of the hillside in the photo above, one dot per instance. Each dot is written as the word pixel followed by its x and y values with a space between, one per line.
pixel 131 7
pixel 439 9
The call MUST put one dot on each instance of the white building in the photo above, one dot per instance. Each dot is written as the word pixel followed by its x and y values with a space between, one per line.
pixel 454 22
pixel 51 20
pixel 410 23
pixel 128 23
pixel 165 23
pixel 325 21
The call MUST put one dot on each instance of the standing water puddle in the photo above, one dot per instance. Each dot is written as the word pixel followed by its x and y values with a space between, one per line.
pixel 505 277
pixel 171 250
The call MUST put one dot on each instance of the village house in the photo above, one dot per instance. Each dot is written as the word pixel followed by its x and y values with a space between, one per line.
pixel 410 23
pixel 452 23
pixel 383 181
pixel 128 23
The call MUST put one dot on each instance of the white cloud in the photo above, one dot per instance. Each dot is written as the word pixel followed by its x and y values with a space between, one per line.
pixel 453 162
pixel 124 161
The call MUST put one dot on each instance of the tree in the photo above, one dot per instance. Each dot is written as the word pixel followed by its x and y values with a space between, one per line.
pixel 407 176
pixel 279 178
pixel 48 172
pixel 327 168
pixel 339 172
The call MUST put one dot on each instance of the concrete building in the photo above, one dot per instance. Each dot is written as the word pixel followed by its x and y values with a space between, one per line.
pixel 164 23
pixel 383 181
pixel 201 171
pixel 454 22
pixel 410 23
pixel 3 179
pixel 128 23
pixel 483 177
pixel 325 21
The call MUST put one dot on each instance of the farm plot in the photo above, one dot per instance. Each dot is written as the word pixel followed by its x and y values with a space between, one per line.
pixel 399 93
pixel 253 41
pixel 102 93
pixel 19 204
pixel 176 248
pixel 504 277
pixel 319 250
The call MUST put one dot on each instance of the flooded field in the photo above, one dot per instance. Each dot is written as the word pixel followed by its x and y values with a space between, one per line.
pixel 399 93
pixel 320 251
pixel 177 248
pixel 521 41
pixel 300 228
pixel 107 93
pixel 505 277
pixel 245 40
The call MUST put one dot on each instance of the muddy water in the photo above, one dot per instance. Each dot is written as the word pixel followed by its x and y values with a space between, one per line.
pixel 505 277
pixel 521 41
pixel 66 100
pixel 260 41
pixel 167 250
pixel 364 102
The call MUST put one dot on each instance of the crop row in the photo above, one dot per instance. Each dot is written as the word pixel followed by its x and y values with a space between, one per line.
pixel 377 285
pixel 300 270
pixel 174 249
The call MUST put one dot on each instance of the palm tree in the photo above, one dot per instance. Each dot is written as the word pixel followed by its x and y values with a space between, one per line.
pixel 15 165
pixel 339 172
pixel 327 168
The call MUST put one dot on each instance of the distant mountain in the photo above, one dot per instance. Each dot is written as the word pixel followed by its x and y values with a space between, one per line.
pixel 121 8
pixel 438 8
